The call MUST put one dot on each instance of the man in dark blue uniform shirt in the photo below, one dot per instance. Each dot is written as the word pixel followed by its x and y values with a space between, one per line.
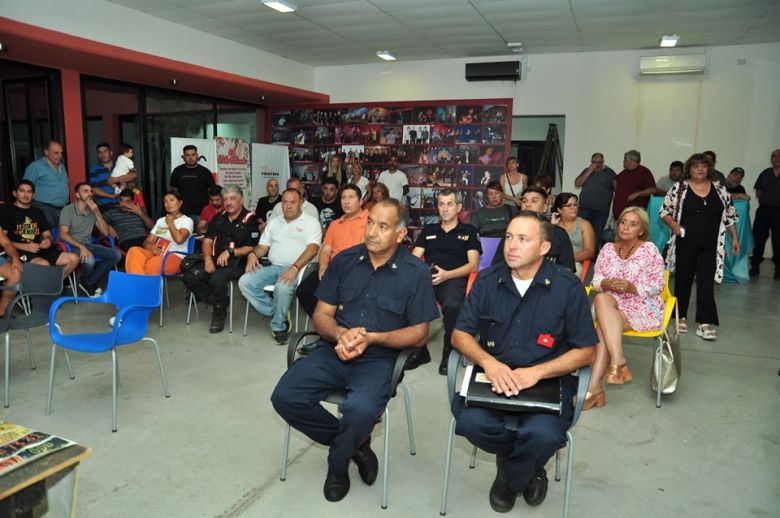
pixel 533 320
pixel 374 299
pixel 452 251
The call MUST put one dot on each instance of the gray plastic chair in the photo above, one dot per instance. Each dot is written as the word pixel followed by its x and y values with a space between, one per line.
pixel 337 397
pixel 39 288
pixel 582 387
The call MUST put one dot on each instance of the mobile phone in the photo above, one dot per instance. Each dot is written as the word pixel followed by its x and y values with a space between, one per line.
pixel 433 267
pixel 265 261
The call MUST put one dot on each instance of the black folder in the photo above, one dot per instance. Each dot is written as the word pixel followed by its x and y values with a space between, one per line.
pixel 543 397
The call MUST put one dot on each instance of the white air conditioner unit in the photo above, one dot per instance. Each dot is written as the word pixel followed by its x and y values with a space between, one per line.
pixel 674 64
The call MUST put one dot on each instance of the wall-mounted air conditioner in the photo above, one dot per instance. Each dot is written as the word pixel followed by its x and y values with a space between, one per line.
pixel 673 64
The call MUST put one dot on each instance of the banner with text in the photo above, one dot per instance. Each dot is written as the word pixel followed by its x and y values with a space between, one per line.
pixel 268 162
pixel 233 164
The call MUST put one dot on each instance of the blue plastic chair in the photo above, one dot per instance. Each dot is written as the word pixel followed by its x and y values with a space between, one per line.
pixel 136 296
pixel 191 243
pixel 65 247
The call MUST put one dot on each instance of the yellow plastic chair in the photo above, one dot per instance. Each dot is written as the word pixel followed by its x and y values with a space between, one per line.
pixel 670 302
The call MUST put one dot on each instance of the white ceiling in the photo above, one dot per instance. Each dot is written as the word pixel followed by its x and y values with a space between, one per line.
pixel 338 32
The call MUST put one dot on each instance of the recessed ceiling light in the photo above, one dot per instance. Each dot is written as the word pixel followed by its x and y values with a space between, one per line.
pixel 386 55
pixel 281 6
pixel 669 41
pixel 174 82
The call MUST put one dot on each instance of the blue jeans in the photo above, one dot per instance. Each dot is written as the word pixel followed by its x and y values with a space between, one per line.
pixel 103 259
pixel 276 307
pixel 597 220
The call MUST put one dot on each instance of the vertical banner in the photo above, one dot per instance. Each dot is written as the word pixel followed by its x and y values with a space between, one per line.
pixel 233 163
pixel 207 154
pixel 268 162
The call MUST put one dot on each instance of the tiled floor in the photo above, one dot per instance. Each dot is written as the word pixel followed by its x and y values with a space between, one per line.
pixel 213 448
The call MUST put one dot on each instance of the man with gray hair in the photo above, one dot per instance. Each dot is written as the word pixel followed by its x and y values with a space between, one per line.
pixel 229 238
pixel 452 251
pixel 634 185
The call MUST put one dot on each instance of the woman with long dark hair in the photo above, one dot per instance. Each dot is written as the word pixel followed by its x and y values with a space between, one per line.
pixel 698 210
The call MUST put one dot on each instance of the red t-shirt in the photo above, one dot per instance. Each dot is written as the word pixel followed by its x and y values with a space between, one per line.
pixel 208 212
pixel 629 182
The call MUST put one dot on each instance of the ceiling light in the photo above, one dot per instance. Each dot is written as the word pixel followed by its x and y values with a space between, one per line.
pixel 281 6
pixel 516 47
pixel 386 55
pixel 669 41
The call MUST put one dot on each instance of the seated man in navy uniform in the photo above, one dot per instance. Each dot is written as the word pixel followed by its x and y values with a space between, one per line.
pixel 374 299
pixel 452 251
pixel 230 237
pixel 533 320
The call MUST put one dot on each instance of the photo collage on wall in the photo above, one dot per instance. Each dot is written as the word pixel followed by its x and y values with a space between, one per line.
pixel 461 145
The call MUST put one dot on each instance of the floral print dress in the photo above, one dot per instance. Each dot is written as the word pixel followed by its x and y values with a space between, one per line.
pixel 645 269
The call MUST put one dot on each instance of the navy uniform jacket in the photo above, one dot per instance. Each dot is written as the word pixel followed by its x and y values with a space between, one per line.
pixel 396 295
pixel 552 318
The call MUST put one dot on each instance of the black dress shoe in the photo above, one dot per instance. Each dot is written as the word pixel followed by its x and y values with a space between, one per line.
pixel 336 487
pixel 754 271
pixel 367 463
pixel 217 320
pixel 502 499
pixel 419 357
pixel 536 489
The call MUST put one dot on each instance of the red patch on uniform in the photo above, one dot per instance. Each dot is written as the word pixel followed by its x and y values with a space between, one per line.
pixel 546 340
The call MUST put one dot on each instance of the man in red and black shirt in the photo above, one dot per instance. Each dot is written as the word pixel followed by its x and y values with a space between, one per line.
pixel 634 185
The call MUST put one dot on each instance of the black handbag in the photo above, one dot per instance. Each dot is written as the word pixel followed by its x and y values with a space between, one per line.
pixel 191 261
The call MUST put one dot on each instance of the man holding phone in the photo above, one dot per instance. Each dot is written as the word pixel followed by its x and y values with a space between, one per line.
pixel 452 251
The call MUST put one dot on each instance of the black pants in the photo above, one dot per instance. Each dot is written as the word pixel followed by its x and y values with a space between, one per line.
pixel 213 288
pixel 697 260
pixel 305 292
pixel 450 295
pixel 767 220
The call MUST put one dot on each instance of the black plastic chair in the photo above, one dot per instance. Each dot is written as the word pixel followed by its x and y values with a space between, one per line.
pixel 39 288
pixel 582 387
pixel 338 396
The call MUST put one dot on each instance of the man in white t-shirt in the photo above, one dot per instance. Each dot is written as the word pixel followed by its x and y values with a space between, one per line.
pixel 395 180
pixel 307 207
pixel 291 242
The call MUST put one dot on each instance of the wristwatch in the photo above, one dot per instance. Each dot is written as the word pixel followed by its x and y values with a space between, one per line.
pixel 231 252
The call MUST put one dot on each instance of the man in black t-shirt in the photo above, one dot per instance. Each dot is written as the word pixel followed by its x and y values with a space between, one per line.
pixel 29 231
pixel 452 251
pixel 192 180
pixel 329 204
pixel 266 204
pixel 734 184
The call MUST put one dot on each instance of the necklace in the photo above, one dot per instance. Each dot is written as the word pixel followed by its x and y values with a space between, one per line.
pixel 626 255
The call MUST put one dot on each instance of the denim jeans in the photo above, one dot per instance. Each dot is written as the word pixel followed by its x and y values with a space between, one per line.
pixel 276 307
pixel 103 259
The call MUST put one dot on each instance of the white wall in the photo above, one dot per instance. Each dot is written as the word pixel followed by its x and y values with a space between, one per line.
pixel 118 25
pixel 734 110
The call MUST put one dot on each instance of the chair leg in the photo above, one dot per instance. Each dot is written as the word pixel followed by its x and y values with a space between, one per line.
pixel 473 459
pixel 386 459
pixel 230 307
pixel 113 389
pixel 166 392
pixel 569 466
pixel 70 368
pixel 285 452
pixel 162 290
pixel 51 378
pixel 246 316
pixel 167 294
pixel 660 370
pixel 33 366
pixel 73 288
pixel 558 465
pixel 447 460
pixel 7 401
pixel 189 307
pixel 409 426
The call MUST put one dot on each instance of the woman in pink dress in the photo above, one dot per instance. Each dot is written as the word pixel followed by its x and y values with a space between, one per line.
pixel 629 276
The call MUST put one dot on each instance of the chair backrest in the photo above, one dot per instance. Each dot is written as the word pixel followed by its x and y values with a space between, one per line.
pixel 585 268
pixel 40 285
pixel 489 248
pixel 192 241
pixel 670 304
pixel 127 289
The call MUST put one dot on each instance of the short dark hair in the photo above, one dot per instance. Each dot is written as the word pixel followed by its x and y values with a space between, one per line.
pixel 676 163
pixel 400 209
pixel 103 144
pixel 173 192
pixel 712 156
pixel 330 180
pixel 449 192
pixel 494 185
pixel 562 199
pixel 698 158
pixel 78 185
pixel 534 189
pixel 189 147
pixel 546 228
pixel 128 193
pixel 215 190
pixel 351 187
pixel 25 182
pixel 124 147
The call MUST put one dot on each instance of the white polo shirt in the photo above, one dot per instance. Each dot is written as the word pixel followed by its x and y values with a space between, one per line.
pixel 287 240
